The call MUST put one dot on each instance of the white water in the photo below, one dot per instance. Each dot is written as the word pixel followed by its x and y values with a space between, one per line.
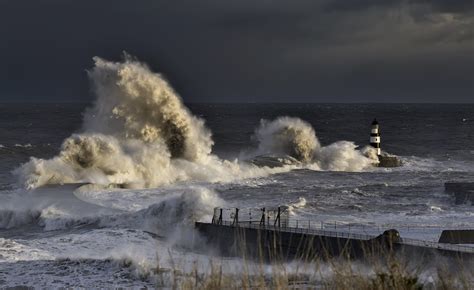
pixel 140 135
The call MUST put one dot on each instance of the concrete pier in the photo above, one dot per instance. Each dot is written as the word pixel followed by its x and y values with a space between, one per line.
pixel 272 242
pixel 457 237
pixel 269 234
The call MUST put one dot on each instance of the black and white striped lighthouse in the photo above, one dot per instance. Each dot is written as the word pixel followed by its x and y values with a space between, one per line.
pixel 375 137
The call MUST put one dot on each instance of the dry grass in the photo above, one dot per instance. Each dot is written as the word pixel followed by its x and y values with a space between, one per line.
pixel 379 269
pixel 334 273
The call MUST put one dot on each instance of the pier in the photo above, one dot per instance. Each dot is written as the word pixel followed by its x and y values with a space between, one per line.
pixel 271 235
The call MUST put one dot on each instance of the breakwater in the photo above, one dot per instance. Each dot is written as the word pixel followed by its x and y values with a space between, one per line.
pixel 271 237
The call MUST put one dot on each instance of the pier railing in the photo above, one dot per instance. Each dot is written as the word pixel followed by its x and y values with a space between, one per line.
pixel 278 219
pixel 301 230
pixel 340 234
pixel 441 246
pixel 368 229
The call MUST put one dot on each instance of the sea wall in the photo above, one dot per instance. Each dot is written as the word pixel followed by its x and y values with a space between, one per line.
pixel 457 237
pixel 272 243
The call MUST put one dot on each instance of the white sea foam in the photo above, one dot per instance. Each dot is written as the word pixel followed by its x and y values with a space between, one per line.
pixel 342 156
pixel 139 134
pixel 435 208
pixel 14 251
pixel 57 208
pixel 296 138
pixel 53 210
pixel 181 209
pixel 301 203
pixel 28 145
pixel 286 135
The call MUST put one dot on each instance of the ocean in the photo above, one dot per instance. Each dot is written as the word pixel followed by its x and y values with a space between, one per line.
pixel 175 162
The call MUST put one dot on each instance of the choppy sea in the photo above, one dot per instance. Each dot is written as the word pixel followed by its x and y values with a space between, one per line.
pixel 56 236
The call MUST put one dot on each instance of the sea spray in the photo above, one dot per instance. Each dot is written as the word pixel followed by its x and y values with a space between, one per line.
pixel 301 203
pixel 297 138
pixel 139 134
pixel 136 125
pixel 180 209
pixel 54 208
pixel 286 135
pixel 342 156
pixel 135 103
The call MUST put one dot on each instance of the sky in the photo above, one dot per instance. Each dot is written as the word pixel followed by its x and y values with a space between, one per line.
pixel 245 50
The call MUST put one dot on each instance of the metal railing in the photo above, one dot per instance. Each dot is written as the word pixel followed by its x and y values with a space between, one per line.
pixel 358 227
pixel 280 216
pixel 295 227
pixel 336 225
pixel 288 229
pixel 440 246
pixel 307 230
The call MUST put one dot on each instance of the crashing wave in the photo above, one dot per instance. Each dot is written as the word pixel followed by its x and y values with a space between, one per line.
pixel 134 103
pixel 288 140
pixel 288 136
pixel 139 134
pixel 65 207
pixel 273 161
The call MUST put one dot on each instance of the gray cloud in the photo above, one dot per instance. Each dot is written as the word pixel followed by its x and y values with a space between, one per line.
pixel 448 6
pixel 246 50
pixel 344 5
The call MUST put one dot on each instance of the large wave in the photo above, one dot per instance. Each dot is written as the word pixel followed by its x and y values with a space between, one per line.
pixel 57 208
pixel 285 135
pixel 139 134
pixel 134 103
pixel 297 138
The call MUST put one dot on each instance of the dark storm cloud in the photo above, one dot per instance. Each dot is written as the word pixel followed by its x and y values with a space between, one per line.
pixel 341 5
pixel 448 6
pixel 246 50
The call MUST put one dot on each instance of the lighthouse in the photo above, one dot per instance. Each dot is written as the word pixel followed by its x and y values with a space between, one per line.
pixel 375 137
pixel 385 160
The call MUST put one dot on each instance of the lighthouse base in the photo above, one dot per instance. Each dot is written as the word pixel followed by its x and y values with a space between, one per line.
pixel 389 161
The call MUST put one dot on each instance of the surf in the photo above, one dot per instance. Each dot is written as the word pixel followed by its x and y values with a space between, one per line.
pixel 139 134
